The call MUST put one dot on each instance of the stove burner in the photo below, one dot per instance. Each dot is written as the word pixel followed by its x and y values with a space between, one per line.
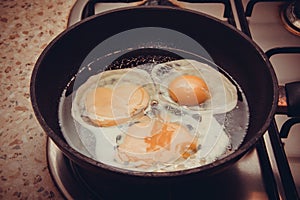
pixel 291 17
pixel 64 176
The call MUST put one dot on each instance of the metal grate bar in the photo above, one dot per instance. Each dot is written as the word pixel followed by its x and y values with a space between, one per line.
pixel 266 169
pixel 285 129
pixel 282 163
pixel 251 4
pixel 241 16
pixel 283 50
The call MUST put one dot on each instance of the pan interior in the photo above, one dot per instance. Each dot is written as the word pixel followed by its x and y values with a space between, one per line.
pixel 234 122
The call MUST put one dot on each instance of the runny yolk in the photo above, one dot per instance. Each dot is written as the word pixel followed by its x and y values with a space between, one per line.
pixel 166 137
pixel 161 139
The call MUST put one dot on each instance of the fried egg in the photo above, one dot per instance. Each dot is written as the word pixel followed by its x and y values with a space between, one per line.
pixel 158 145
pixel 112 97
pixel 198 86
pixel 155 142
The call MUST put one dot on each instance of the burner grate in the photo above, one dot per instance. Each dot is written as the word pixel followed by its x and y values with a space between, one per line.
pixel 286 176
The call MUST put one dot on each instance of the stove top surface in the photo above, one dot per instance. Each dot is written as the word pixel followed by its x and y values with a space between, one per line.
pixel 246 179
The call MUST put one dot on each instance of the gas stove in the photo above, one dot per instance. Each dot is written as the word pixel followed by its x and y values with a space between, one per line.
pixel 271 170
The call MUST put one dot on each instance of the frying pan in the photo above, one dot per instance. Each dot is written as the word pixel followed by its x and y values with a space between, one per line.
pixel 227 47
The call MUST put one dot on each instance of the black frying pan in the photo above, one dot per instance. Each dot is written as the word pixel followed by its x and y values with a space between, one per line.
pixel 230 49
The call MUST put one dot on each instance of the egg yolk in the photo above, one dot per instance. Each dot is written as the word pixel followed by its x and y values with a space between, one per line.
pixel 188 90
pixel 111 106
